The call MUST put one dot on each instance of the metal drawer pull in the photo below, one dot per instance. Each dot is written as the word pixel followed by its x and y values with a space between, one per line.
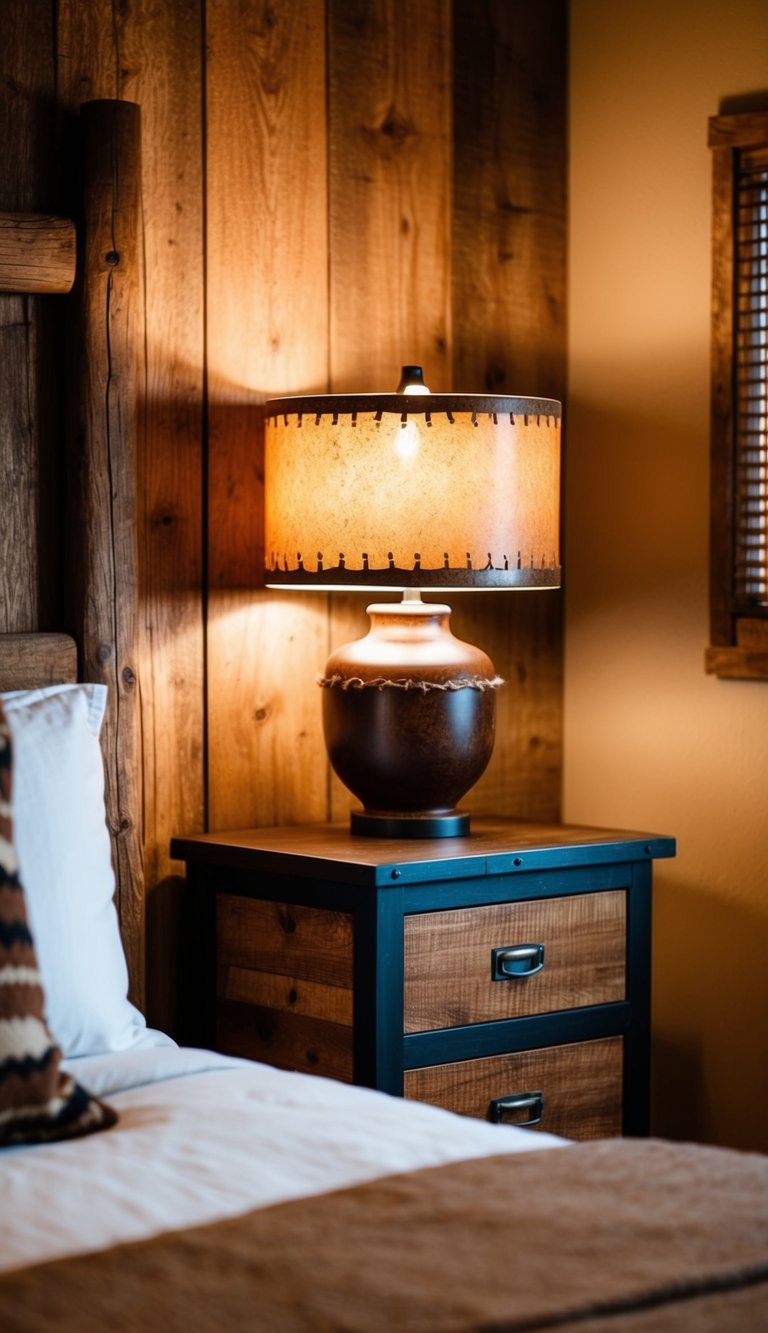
pixel 519 1101
pixel 518 960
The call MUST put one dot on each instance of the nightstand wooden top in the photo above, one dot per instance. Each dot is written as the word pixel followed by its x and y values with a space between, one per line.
pixel 493 847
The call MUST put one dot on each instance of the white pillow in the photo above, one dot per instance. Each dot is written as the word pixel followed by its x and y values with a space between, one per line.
pixel 65 867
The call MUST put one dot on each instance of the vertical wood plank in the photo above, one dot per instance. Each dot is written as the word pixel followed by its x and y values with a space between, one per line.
pixel 267 315
pixel 390 180
pixel 390 210
pixel 152 54
pixel 18 466
pixel 29 472
pixel 509 221
pixel 509 237
pixel 161 52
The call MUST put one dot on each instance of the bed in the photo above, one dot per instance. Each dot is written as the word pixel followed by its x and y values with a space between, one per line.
pixel 188 1190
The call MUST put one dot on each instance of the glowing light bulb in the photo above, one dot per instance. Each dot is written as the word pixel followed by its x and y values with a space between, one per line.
pixel 407 441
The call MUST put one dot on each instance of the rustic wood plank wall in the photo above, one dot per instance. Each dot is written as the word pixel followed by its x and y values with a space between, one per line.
pixel 267 307
pixel 329 188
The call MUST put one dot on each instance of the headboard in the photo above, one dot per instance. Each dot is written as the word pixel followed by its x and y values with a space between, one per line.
pixel 30 660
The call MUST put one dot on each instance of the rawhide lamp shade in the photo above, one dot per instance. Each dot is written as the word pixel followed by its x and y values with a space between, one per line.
pixel 411 492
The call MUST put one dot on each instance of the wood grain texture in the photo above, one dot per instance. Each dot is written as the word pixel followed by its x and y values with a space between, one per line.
pixel 581 1084
pixel 448 959
pixel 105 448
pixel 736 663
pixel 19 461
pixel 390 203
pixel 330 851
pixel 289 1041
pixel 30 660
pixel 752 634
pixel 267 318
pixel 161 50
pixel 151 54
pixel 738 130
pixel 292 941
pixel 29 408
pixel 509 219
pixel 268 990
pixel 37 253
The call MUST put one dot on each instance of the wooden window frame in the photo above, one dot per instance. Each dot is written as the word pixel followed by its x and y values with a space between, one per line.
pixel 738 634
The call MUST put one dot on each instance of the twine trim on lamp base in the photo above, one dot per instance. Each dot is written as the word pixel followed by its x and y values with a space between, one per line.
pixel 385 683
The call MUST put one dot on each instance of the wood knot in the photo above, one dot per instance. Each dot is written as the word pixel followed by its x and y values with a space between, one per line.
pixel 287 922
pixel 129 677
pixel 103 653
pixel 112 258
pixel 163 515
pixel 392 132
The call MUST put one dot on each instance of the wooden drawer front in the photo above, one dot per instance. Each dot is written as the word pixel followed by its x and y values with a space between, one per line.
pixel 448 963
pixel 290 1041
pixel 580 1086
pixel 284 985
pixel 280 937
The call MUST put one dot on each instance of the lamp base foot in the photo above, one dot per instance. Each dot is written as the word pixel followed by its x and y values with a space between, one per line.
pixel 369 824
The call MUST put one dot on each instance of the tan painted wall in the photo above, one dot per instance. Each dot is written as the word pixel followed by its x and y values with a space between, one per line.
pixel 650 741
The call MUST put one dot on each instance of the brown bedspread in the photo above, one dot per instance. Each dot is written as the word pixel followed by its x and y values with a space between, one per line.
pixel 630 1235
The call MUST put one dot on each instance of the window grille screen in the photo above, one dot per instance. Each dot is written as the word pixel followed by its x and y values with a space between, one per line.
pixel 750 570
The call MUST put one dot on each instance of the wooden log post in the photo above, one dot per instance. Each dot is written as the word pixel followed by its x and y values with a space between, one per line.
pixel 37 253
pixel 107 447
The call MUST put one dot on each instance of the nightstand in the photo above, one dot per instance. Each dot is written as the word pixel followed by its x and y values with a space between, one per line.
pixel 505 974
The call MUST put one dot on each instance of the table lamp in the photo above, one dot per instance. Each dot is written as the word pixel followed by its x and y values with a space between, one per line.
pixel 412 492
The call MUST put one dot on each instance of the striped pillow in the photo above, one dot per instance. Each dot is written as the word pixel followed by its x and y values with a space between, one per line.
pixel 38 1102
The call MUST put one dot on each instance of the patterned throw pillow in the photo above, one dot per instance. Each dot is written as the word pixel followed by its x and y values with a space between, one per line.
pixel 38 1102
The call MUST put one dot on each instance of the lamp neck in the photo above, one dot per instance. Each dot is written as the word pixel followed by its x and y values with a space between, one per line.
pixel 412 595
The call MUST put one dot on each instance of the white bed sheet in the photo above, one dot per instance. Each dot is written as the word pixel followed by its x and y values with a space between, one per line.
pixel 203 1137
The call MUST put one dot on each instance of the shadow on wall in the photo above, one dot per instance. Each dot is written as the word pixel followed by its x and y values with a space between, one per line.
pixel 710 1043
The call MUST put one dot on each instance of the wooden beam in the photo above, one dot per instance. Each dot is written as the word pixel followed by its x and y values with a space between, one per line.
pixel 151 54
pixel 107 438
pixel 30 660
pixel 37 253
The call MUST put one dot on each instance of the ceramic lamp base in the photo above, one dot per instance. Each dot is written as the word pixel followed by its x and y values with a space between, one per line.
pixel 409 716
